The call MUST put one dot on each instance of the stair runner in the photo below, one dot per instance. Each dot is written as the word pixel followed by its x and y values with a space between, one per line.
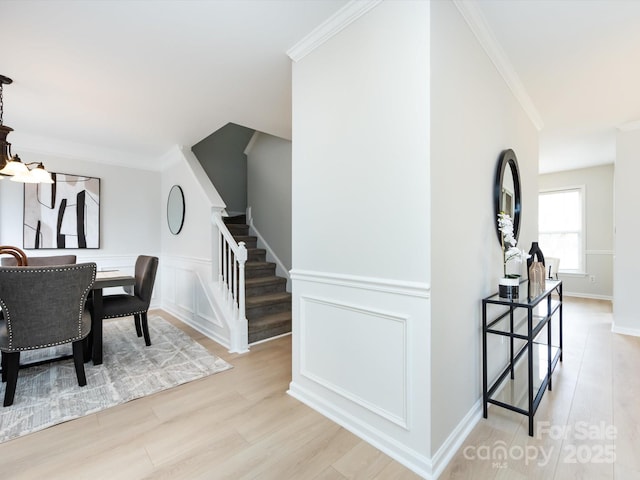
pixel 267 302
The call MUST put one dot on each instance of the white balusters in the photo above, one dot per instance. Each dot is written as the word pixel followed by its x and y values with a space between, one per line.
pixel 231 260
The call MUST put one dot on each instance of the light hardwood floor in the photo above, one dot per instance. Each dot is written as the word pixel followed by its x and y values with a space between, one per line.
pixel 591 416
pixel 238 424
pixel 241 424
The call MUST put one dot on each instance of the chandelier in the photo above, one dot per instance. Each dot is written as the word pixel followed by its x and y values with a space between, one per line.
pixel 11 165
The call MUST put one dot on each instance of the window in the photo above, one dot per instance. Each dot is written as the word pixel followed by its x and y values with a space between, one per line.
pixel 561 227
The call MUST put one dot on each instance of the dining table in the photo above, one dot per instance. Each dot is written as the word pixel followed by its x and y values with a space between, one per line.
pixel 104 279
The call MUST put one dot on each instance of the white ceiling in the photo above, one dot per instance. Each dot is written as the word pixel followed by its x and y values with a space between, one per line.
pixel 579 62
pixel 138 77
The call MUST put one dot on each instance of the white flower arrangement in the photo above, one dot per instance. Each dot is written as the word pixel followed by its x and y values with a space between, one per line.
pixel 509 242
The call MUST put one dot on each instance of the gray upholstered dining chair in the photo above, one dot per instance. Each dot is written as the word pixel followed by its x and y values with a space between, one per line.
pixel 124 305
pixel 41 261
pixel 43 307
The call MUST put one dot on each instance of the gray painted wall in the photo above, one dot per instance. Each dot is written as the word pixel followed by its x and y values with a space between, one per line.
pixel 222 157
pixel 269 192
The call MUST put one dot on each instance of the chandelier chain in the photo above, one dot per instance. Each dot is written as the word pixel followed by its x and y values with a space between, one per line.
pixel 1 105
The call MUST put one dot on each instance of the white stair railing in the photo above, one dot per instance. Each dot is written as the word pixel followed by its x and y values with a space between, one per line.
pixel 232 257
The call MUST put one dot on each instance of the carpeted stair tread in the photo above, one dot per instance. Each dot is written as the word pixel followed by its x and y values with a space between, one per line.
pixel 267 303
pixel 269 326
pixel 259 281
pixel 269 321
pixel 246 239
pixel 259 269
pixel 236 219
pixel 256 254
pixel 268 299
pixel 255 286
pixel 257 264
pixel 238 229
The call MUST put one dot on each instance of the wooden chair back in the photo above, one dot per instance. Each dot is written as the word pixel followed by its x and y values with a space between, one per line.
pixel 19 255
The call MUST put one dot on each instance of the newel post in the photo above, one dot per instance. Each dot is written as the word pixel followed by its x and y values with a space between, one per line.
pixel 241 258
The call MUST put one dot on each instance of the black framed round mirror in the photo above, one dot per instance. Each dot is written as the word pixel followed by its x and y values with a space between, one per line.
pixel 175 209
pixel 506 191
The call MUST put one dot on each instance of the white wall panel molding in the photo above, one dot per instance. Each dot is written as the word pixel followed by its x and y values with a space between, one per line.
pixel 189 295
pixel 185 286
pixel 385 393
pixel 412 289
pixel 200 326
pixel 599 252
pixel 417 462
pixel 480 28
pixel 333 25
pixel 105 262
pixel 361 358
pixel 182 259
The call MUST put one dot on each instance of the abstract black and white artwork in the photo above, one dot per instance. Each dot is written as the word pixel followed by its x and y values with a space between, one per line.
pixel 63 214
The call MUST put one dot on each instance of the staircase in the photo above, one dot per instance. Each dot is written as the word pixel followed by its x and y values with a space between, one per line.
pixel 267 302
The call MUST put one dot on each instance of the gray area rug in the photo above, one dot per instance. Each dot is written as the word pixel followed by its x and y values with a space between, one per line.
pixel 49 394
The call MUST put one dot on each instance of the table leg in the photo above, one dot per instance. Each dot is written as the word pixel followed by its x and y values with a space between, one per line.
pixel 96 327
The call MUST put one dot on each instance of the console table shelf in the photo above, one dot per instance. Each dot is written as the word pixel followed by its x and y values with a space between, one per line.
pixel 533 353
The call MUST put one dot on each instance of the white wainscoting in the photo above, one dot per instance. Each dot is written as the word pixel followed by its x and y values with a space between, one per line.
pixel 386 361
pixel 189 293
pixel 361 357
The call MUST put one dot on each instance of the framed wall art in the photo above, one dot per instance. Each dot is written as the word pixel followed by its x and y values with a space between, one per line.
pixel 64 214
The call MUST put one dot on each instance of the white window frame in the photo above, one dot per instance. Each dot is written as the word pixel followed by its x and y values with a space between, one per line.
pixel 582 257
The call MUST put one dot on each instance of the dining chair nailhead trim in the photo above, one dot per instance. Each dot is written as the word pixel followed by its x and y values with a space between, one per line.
pixel 128 314
pixel 10 347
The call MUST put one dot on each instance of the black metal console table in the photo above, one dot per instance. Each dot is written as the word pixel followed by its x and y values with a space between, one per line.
pixel 533 352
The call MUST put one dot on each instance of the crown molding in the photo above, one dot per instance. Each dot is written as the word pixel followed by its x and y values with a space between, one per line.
pixel 330 27
pixel 480 28
pixel 629 126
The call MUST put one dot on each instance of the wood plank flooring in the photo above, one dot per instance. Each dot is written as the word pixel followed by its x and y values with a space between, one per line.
pixel 241 424
pixel 590 418
pixel 238 424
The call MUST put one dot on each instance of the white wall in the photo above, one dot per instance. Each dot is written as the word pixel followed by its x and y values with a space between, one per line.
pixel 361 240
pixel 269 193
pixel 598 188
pixel 189 259
pixel 130 203
pixel 626 317
pixel 474 117
pixel 133 221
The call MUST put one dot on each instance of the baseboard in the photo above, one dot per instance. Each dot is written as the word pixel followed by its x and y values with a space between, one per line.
pixel 635 332
pixel 455 440
pixel 588 296
pixel 281 270
pixel 200 327
pixel 269 339
pixel 414 461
